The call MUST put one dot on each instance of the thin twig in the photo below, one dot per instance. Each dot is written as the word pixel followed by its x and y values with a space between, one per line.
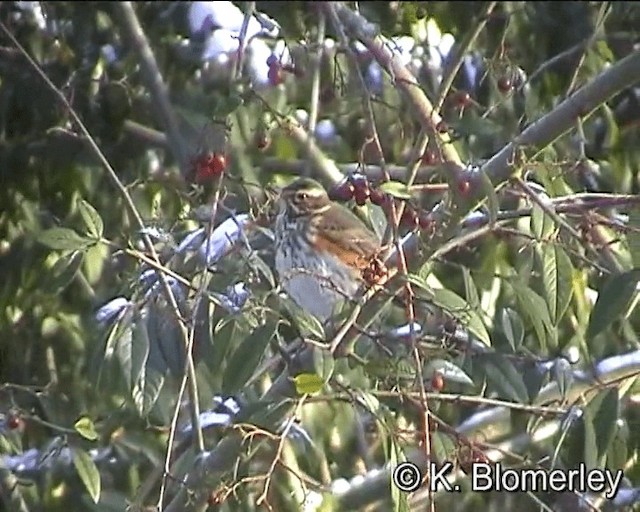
pixel 466 43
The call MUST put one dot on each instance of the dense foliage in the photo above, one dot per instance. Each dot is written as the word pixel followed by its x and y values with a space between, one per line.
pixel 148 357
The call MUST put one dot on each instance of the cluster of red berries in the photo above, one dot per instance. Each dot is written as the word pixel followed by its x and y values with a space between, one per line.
pixel 357 187
pixel 276 70
pixel 14 421
pixel 208 166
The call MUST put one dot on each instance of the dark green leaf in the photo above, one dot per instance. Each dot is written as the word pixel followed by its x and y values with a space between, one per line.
pixel 92 219
pixel 323 363
pixel 542 225
pixel 505 378
pixel 613 300
pixel 457 307
pixel 606 412
pixel 534 308
pixel 88 473
pixel 512 327
pixel 633 236
pixel 64 239
pixel 63 272
pixel 449 371
pixel 557 274
pixel 247 356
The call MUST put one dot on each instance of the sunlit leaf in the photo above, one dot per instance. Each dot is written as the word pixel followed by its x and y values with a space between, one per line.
pixel 308 383
pixel 64 239
pixel 88 473
pixel 557 272
pixel 396 189
pixel 85 427
pixel 512 327
pixel 92 219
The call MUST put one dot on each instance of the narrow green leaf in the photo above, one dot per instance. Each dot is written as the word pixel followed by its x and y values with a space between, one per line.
pixel 512 327
pixel 63 272
pixel 247 356
pixel 605 418
pixel 534 308
pixel 613 299
pixel 64 239
pixel 85 427
pixel 308 383
pixel 92 219
pixel 449 371
pixel 633 236
pixel 396 189
pixel 541 224
pixel 323 363
pixel 493 204
pixel 457 307
pixel 88 473
pixel 505 378
pixel 557 272
pixel 471 292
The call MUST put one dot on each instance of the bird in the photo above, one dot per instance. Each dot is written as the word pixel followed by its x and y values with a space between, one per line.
pixel 323 251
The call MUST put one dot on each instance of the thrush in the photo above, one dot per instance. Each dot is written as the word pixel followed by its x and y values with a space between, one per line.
pixel 323 250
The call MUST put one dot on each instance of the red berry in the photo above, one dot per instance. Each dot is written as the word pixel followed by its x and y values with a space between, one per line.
pixel 409 217
pixel 441 127
pixel 437 382
pixel 378 197
pixel 361 192
pixel 464 186
pixel 275 74
pixel 430 157
pixel 343 191
pixel 461 99
pixel 14 421
pixel 504 84
pixel 209 166
pixel 262 141
pixel 425 221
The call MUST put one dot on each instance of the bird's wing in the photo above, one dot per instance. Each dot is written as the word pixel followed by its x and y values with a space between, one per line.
pixel 348 236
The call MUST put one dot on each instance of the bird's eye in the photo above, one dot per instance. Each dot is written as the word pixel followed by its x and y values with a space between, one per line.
pixel 302 196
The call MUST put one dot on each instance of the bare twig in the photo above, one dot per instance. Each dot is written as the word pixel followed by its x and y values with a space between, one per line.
pixel 466 43
pixel 153 77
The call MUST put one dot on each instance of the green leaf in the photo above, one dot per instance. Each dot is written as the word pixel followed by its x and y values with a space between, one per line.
pixel 542 225
pixel 63 272
pixel 396 189
pixel 85 427
pixel 533 307
pixel 606 407
pixel 133 353
pixel 443 448
pixel 633 236
pixel 449 371
pixel 493 204
pixel 457 307
pixel 308 383
pixel 247 356
pixel 88 473
pixel 323 362
pixel 505 378
pixel 512 327
pixel 557 272
pixel 62 239
pixel 92 219
pixel 613 299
